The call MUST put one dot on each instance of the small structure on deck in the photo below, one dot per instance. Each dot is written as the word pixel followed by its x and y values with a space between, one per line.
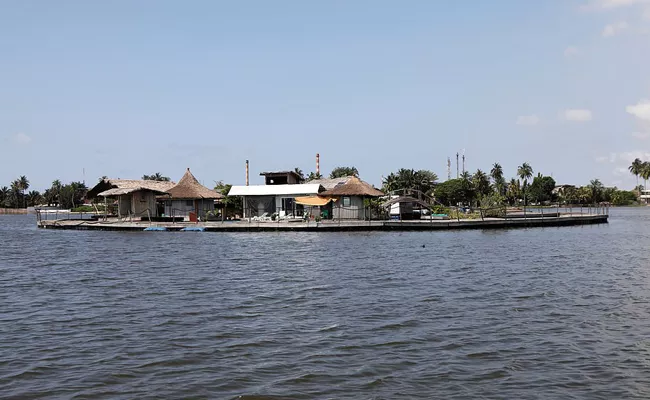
pixel 135 198
pixel 190 197
pixel 263 201
pixel 282 178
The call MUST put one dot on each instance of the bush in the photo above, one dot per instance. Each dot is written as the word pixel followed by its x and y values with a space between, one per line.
pixel 440 210
pixel 83 209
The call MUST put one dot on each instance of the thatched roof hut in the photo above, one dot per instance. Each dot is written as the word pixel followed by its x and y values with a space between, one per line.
pixel 190 188
pixel 353 187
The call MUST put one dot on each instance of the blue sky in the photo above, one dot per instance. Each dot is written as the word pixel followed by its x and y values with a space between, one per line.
pixel 127 88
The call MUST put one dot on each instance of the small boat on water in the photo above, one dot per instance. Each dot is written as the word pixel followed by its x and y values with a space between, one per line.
pixel 154 228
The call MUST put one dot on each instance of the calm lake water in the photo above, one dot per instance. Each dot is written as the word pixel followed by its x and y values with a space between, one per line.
pixel 550 313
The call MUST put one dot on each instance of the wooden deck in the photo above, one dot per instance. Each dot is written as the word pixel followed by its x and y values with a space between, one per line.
pixel 333 226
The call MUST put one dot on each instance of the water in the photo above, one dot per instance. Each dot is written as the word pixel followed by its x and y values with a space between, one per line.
pixel 528 314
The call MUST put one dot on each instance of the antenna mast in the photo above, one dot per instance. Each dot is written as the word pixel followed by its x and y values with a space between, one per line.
pixel 463 161
pixel 448 168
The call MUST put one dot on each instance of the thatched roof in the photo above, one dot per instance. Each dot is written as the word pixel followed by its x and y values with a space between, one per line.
pixel 330 183
pixel 353 187
pixel 190 188
pixel 127 186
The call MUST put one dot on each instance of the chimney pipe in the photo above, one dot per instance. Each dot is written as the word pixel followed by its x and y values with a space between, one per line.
pixel 317 164
pixel 246 172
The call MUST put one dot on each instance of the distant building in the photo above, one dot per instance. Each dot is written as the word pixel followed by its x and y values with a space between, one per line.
pixel 349 198
pixel 645 196
pixel 282 178
pixel 189 196
pixel 266 200
pixel 135 198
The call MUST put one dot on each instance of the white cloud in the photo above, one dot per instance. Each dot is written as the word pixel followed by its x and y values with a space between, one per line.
pixel 21 138
pixel 641 110
pixel 641 135
pixel 611 4
pixel 578 115
pixel 611 158
pixel 528 120
pixel 646 14
pixel 629 156
pixel 618 171
pixel 615 29
pixel 571 51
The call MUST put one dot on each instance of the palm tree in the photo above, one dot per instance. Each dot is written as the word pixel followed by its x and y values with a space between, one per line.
pixel 513 191
pixel 596 189
pixel 525 172
pixel 300 173
pixel 23 185
pixel 4 196
pixel 313 175
pixel 635 169
pixel 645 174
pixel 34 198
pixel 481 182
pixel 156 177
pixel 15 200
pixel 497 176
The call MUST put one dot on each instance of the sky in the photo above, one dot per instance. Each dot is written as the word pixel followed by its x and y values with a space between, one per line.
pixel 126 88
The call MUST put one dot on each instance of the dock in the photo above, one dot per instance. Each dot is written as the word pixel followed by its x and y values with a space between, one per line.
pixel 330 226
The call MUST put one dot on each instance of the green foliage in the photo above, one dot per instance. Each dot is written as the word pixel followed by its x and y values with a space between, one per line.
pixel 438 209
pixel 455 191
pixel 83 209
pixel 313 175
pixel 497 178
pixel 541 190
pixel 340 172
pixel 481 183
pixel 410 179
pixel 493 205
pixel 299 172
pixel 623 198
pixel 156 177
pixel 233 204
pixel 72 195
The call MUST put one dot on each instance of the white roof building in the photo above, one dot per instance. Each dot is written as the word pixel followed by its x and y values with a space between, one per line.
pixel 276 190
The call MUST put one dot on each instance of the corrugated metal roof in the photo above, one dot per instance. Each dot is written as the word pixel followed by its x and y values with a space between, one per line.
pixel 275 190
pixel 330 183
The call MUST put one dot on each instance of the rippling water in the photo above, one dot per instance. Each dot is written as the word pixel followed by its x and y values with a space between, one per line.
pixel 521 314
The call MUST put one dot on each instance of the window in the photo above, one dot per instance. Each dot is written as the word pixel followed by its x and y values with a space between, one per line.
pixel 189 203
pixel 346 202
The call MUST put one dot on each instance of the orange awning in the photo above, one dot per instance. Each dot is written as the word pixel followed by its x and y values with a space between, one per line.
pixel 313 200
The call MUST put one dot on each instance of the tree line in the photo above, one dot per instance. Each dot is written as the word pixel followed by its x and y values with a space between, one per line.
pixel 487 189
pixel 63 196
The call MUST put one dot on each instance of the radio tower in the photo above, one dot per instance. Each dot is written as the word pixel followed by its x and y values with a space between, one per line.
pixel 463 161
pixel 457 165
pixel 448 168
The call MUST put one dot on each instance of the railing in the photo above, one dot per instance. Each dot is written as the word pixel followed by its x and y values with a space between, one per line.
pixel 338 214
